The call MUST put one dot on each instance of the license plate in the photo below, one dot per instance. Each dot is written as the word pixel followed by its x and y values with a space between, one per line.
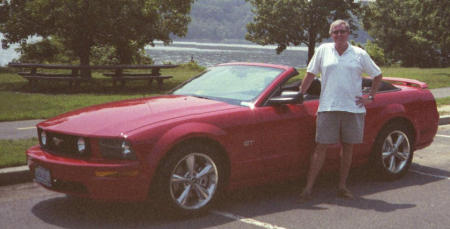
pixel 42 176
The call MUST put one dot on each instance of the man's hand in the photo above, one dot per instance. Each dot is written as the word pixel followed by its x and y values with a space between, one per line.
pixel 362 101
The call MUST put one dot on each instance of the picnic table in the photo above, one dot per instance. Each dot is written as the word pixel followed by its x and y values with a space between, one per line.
pixel 32 74
pixel 119 73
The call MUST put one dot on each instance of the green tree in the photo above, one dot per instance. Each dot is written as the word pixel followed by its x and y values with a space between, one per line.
pixel 128 25
pixel 295 22
pixel 47 50
pixel 376 53
pixel 414 32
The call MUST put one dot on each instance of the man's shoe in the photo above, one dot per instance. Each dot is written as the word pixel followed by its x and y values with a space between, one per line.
pixel 305 196
pixel 345 193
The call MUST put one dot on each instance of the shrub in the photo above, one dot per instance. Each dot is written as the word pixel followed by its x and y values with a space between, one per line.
pixel 376 53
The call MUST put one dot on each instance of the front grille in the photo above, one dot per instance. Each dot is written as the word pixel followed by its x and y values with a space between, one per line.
pixel 65 145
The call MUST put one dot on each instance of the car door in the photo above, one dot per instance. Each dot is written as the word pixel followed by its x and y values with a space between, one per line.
pixel 287 137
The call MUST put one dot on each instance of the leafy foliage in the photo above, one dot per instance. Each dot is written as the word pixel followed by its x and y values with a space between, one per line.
pixel 293 22
pixel 376 53
pixel 414 32
pixel 47 50
pixel 127 25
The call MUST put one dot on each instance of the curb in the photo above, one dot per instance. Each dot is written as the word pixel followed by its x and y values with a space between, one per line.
pixel 15 175
pixel 21 174
pixel 444 120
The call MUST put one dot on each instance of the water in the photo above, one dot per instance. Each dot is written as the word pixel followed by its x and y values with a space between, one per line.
pixel 208 54
pixel 7 55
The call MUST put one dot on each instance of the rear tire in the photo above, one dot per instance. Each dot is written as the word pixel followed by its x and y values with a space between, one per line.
pixel 190 179
pixel 393 151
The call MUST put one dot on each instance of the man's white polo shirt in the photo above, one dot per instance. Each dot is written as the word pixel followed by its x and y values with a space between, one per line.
pixel 341 76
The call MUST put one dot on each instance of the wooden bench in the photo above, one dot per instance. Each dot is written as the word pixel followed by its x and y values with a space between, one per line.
pixel 120 75
pixel 81 73
pixel 33 76
pixel 137 76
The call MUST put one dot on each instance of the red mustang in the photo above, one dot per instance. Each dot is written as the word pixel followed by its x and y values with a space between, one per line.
pixel 234 125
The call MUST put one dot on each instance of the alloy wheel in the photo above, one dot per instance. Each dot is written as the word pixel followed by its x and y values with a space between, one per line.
pixel 396 151
pixel 193 181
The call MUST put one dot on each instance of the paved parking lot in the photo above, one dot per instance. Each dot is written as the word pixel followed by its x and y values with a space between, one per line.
pixel 421 199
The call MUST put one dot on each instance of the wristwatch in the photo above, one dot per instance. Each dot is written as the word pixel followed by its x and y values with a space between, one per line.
pixel 371 97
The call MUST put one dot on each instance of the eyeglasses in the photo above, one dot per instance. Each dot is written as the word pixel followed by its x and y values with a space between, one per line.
pixel 336 32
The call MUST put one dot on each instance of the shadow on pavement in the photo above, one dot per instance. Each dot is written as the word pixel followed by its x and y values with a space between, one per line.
pixel 70 212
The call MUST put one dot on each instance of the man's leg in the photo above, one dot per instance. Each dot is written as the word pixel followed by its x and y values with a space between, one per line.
pixel 346 162
pixel 316 163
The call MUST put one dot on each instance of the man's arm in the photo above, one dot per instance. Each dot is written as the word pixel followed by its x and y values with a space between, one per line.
pixel 361 101
pixel 375 85
pixel 306 82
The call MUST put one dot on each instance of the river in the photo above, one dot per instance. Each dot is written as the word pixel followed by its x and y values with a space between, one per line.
pixel 208 54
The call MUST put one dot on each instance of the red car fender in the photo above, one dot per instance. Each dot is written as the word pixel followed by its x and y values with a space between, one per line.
pixel 179 134
pixel 388 113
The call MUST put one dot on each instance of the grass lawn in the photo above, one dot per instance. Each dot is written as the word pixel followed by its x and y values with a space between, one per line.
pixel 12 152
pixel 434 77
pixel 20 102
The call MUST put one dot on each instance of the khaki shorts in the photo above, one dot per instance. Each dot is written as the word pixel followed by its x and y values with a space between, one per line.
pixel 339 127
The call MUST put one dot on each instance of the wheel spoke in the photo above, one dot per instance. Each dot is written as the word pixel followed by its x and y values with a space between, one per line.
pixel 207 169
pixel 402 156
pixel 202 193
pixel 392 163
pixel 390 142
pixel 177 179
pixel 190 163
pixel 184 196
pixel 386 154
pixel 211 188
pixel 399 141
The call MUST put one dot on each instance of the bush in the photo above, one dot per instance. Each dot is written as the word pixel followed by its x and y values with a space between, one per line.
pixel 51 50
pixel 376 53
pixel 193 66
pixel 48 50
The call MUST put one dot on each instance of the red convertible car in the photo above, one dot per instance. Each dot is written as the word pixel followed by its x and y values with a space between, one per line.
pixel 234 125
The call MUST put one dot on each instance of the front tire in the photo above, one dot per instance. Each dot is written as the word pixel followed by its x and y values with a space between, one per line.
pixel 191 178
pixel 393 151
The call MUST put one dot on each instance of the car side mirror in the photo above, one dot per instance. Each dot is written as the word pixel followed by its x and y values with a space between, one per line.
pixel 287 97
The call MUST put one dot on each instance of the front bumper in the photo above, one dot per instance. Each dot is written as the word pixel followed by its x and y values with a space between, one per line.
pixel 124 181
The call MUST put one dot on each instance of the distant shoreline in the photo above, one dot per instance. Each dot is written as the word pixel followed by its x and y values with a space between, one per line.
pixel 230 43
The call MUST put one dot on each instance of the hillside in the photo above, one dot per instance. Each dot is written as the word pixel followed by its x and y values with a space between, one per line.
pixel 219 20
pixel 225 21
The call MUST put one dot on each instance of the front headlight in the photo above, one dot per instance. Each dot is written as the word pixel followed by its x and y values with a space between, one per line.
pixel 116 149
pixel 81 145
pixel 43 137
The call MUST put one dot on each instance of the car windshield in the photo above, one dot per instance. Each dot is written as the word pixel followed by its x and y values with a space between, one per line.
pixel 232 83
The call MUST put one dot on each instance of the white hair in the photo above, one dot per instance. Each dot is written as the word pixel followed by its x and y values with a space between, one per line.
pixel 339 22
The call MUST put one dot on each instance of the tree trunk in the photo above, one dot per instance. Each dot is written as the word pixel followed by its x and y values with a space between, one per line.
pixel 84 61
pixel 311 44
pixel 125 53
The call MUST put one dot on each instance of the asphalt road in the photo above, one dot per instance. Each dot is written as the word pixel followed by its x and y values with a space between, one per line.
pixel 421 199
pixel 19 129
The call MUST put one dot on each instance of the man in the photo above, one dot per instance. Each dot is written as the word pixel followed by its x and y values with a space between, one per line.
pixel 340 116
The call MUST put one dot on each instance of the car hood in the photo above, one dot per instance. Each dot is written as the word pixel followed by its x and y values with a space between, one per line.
pixel 117 118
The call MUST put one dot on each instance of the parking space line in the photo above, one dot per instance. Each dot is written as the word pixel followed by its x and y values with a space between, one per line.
pixel 26 128
pixel 429 174
pixel 247 220
pixel 441 135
